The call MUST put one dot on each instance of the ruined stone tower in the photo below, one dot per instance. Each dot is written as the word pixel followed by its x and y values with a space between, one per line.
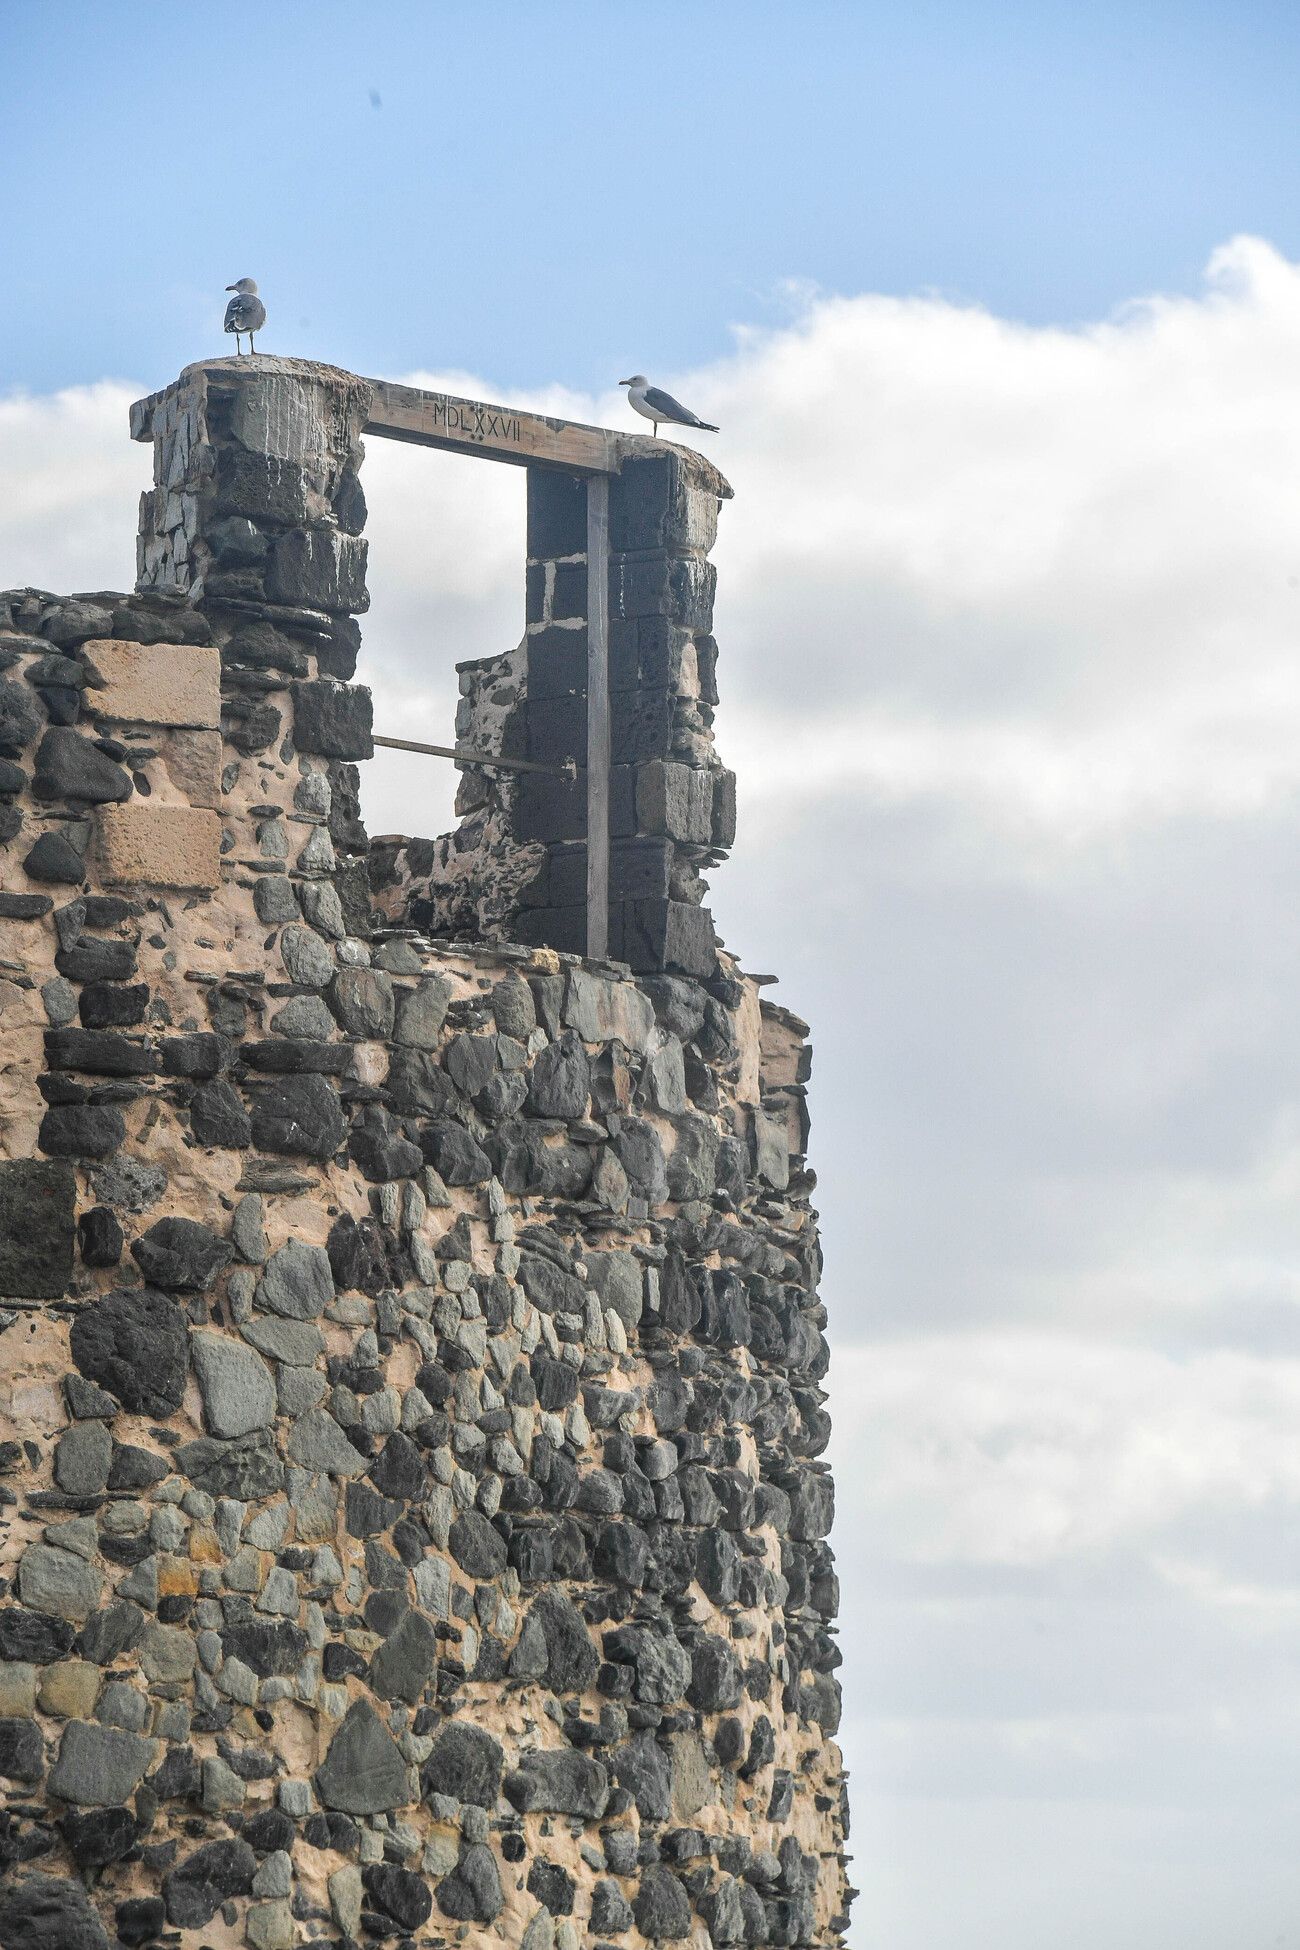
pixel 413 1526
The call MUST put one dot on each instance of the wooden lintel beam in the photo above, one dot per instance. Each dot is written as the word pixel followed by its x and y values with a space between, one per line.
pixel 468 426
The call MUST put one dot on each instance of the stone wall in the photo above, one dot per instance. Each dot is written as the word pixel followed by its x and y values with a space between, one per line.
pixel 412 1520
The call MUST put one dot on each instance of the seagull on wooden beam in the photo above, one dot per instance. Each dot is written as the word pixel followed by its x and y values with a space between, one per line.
pixel 652 403
pixel 245 312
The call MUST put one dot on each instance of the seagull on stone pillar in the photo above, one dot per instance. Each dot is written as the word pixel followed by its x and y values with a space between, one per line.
pixel 654 404
pixel 245 312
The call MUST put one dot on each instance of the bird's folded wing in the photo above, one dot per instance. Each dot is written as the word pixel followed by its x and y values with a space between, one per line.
pixel 666 406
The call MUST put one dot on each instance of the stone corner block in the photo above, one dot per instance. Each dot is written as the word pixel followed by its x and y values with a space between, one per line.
pixel 160 846
pixel 154 683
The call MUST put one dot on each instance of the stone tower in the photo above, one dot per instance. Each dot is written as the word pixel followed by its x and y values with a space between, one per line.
pixel 413 1525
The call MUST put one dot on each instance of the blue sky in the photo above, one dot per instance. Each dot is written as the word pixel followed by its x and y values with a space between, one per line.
pixel 556 192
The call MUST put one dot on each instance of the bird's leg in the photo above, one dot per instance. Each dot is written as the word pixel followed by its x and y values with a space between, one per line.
pixel 656 429
pixel 239 345
pixel 251 347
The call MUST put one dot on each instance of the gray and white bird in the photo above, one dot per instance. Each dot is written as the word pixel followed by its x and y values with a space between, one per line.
pixel 245 312
pixel 654 404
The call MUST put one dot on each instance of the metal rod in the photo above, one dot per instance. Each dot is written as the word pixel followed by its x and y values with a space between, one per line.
pixel 568 770
pixel 598 735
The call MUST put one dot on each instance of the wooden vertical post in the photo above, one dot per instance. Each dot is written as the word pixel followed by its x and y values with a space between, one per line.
pixel 598 738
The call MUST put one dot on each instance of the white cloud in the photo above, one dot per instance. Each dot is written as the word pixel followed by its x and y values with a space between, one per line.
pixel 1008 621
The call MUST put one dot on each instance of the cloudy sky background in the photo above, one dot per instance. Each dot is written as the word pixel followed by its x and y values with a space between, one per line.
pixel 1009 613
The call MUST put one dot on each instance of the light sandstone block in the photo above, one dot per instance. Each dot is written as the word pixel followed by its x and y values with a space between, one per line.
pixel 160 846
pixel 154 683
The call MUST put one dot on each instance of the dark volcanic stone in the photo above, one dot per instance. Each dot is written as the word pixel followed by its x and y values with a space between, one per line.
pixel 399 1893
pixel 135 1469
pixel 81 1131
pixel 270 1830
pixel 472 1892
pixel 560 1083
pixel 466 1764
pixel 556 1632
pixel 398 1470
pixel 107 1633
pixel 643 1769
pixel 140 1919
pixel 661 1906
pixel 198 1055
pixel 133 1342
pixel 300 1116
pixel 97 1052
pixel 552 1886
pixel 268 1648
pixel 32 1637
pixel 20 718
pixel 404 1663
pixel 24 907
pixel 92 960
pixel 100 1237
pixel 36 1228
pixel 181 1254
pixel 333 719
pixel 363 1255
pixel 39 1912
pixel 195 1891
pixel 218 1117
pixel 246 1468
pixel 454 1155
pixel 380 1151
pixel 54 859
pixel 477 1547
pixel 98 1836
pixel 363 1772
pixel 558 1781
pixel 69 766
pixel 22 1751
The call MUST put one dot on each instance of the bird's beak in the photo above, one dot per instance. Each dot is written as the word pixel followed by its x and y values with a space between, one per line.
pixel 230 287
pixel 625 382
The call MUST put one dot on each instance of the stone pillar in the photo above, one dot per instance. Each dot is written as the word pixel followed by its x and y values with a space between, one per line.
pixel 672 803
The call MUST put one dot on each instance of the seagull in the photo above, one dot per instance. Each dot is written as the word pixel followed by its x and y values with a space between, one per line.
pixel 652 404
pixel 245 312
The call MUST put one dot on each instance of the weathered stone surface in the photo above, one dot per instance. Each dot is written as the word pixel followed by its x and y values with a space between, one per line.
pixel 317 1442
pixel 661 1907
pixel 22 1751
pixel 195 1890
pixel 236 1385
pixel 398 1893
pixel 421 1012
pixel 133 1343
pixel 559 1782
pixel 181 1255
pixel 465 1765
pixel 82 1459
pixel 476 1546
pixel 297 1282
pixel 58 1581
pixel 404 1663
pixel 41 1912
pixel 245 1467
pixel 159 846
pixel 363 1772
pixel 36 1228
pixel 300 1116
pixel 21 718
pixel 155 683
pixel 99 1767
pixel 561 1080
pixel 73 767
pixel 472 1892
pixel 218 1117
